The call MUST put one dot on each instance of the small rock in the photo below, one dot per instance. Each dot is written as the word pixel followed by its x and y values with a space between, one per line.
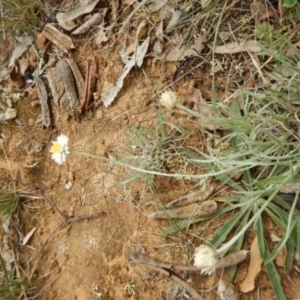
pixel 99 114
pixel 10 114
pixel 71 176
pixel 31 122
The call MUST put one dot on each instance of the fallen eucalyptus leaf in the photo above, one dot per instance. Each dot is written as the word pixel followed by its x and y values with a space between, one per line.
pixel 181 52
pixel 100 36
pixel 28 236
pixel 66 19
pixel 136 59
pixel 194 210
pixel 235 47
pixel 85 27
pixel 254 268
pixel 22 45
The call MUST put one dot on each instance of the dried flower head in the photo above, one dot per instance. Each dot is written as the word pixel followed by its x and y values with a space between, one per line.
pixel 60 149
pixel 168 99
pixel 206 259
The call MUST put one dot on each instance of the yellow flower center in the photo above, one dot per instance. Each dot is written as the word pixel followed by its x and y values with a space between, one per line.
pixel 56 148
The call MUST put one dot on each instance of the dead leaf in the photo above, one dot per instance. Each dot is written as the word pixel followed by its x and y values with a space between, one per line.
pixel 41 41
pixel 16 81
pixel 194 210
pixel 67 19
pixel 205 3
pixel 226 291
pixel 262 11
pixel 21 47
pixel 280 259
pixel 254 268
pixel 28 236
pixel 100 36
pixel 131 48
pixel 160 31
pixel 176 14
pixel 4 73
pixel 235 47
pixel 181 52
pixel 206 111
pixel 136 59
pixel 85 27
pixel 61 40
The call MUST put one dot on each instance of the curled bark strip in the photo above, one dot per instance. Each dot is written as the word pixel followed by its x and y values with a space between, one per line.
pixel 62 41
pixel 227 261
pixel 194 210
pixel 94 20
pixel 90 83
pixel 164 269
pixel 232 259
pixel 43 99
pixel 193 197
pixel 79 80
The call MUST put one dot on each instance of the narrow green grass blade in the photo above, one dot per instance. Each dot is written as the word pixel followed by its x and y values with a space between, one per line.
pixel 275 279
pixel 238 245
pixel 260 237
pixel 279 179
pixel 209 168
pixel 228 227
pixel 298 236
pixel 280 245
pixel 289 260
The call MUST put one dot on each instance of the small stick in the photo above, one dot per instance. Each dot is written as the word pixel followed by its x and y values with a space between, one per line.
pixel 191 198
pixel 223 262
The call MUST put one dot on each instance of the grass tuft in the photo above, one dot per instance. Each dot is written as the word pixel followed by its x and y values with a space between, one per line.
pixel 8 202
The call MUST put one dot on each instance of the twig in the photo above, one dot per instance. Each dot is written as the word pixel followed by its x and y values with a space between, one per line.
pixel 223 262
pixel 165 269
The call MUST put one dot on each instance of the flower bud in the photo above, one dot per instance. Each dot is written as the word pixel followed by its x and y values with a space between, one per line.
pixel 168 99
pixel 206 259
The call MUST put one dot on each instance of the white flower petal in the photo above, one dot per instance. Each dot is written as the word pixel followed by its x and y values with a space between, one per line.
pixel 205 258
pixel 168 99
pixel 60 149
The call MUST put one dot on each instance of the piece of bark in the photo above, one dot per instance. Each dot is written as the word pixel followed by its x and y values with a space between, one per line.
pixel 79 80
pixel 43 99
pixel 61 40
pixel 193 197
pixel 63 88
pixel 90 83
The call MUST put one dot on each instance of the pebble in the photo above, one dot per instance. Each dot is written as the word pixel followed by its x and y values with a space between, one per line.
pixel 10 114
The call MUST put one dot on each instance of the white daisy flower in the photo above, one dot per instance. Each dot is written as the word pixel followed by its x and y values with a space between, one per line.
pixel 168 99
pixel 60 149
pixel 206 259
